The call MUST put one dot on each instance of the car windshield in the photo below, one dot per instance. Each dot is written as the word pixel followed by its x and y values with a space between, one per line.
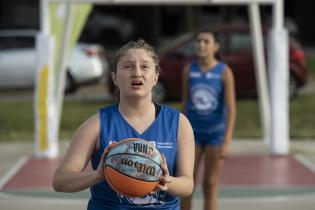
pixel 16 39
pixel 239 41
pixel 174 43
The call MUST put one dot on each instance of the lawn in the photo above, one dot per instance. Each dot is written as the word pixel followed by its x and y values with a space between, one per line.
pixel 17 122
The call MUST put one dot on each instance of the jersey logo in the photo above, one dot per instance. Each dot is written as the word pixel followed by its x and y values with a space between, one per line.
pixel 195 74
pixel 210 75
pixel 156 199
pixel 204 99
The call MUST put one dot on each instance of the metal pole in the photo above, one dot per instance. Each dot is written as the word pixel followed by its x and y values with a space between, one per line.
pixel 64 53
pixel 44 17
pixel 260 67
pixel 279 82
pixel 278 13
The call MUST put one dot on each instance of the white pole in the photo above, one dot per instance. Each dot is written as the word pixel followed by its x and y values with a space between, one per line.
pixel 278 13
pixel 278 61
pixel 260 67
pixel 64 54
pixel 44 17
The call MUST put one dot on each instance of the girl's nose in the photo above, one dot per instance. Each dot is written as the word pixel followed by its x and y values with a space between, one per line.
pixel 136 72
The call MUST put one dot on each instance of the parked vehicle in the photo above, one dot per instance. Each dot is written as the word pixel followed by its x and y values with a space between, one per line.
pixel 236 51
pixel 18 61
pixel 109 30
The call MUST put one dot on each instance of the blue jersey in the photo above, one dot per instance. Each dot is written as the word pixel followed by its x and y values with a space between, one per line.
pixel 206 106
pixel 162 133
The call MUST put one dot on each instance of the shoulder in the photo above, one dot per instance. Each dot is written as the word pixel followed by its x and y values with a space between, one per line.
pixel 183 119
pixel 88 131
pixel 92 122
pixel 228 79
pixel 226 71
pixel 184 128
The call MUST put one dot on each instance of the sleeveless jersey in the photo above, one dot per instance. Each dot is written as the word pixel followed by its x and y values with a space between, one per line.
pixel 162 133
pixel 206 106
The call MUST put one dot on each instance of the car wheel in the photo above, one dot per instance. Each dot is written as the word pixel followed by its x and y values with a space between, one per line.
pixel 293 87
pixel 70 86
pixel 159 92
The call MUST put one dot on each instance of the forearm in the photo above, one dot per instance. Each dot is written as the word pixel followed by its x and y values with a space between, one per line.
pixel 70 181
pixel 181 186
pixel 230 124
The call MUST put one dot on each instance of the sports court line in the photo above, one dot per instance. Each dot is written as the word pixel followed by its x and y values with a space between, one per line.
pixel 304 161
pixel 45 200
pixel 256 198
pixel 13 171
pixel 269 199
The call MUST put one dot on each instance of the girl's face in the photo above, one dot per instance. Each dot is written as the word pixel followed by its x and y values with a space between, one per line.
pixel 135 75
pixel 206 45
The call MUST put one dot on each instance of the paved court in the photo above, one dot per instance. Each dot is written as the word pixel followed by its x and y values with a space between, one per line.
pixel 251 179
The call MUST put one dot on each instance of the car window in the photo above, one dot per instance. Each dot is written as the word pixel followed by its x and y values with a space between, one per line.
pixel 6 42
pixel 188 48
pixel 11 42
pixel 240 41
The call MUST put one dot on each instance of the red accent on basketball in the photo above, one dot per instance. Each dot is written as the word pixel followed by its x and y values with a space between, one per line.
pixel 133 167
pixel 128 186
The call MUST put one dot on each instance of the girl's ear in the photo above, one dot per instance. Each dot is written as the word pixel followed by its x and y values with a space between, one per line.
pixel 114 78
pixel 217 46
pixel 156 78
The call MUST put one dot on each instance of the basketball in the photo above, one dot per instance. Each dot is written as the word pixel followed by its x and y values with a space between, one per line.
pixel 133 167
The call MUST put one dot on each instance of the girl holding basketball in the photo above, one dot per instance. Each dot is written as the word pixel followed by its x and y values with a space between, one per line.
pixel 136 71
pixel 209 103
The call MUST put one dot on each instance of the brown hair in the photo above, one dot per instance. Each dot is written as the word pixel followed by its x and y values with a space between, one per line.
pixel 215 36
pixel 207 30
pixel 140 44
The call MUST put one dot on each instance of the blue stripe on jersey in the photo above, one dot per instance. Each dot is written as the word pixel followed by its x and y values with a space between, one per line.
pixel 162 133
pixel 206 105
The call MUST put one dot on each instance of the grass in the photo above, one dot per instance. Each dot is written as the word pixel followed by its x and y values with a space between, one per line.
pixel 311 65
pixel 17 121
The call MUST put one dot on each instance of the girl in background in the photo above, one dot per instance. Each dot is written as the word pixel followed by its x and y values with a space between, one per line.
pixel 209 103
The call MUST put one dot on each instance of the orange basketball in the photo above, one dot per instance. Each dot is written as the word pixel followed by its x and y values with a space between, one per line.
pixel 133 167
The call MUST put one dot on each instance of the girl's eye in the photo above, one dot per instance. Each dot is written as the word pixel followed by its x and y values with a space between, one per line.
pixel 127 66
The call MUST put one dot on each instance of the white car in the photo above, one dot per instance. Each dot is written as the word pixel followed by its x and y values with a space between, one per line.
pixel 18 61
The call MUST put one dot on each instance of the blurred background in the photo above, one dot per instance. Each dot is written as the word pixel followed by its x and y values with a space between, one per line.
pixel 161 22
pixel 169 29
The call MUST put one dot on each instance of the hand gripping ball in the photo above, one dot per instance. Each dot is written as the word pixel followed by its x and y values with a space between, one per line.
pixel 133 167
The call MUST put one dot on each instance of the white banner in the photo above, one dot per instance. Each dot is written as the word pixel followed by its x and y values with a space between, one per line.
pixel 53 44
pixel 46 141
